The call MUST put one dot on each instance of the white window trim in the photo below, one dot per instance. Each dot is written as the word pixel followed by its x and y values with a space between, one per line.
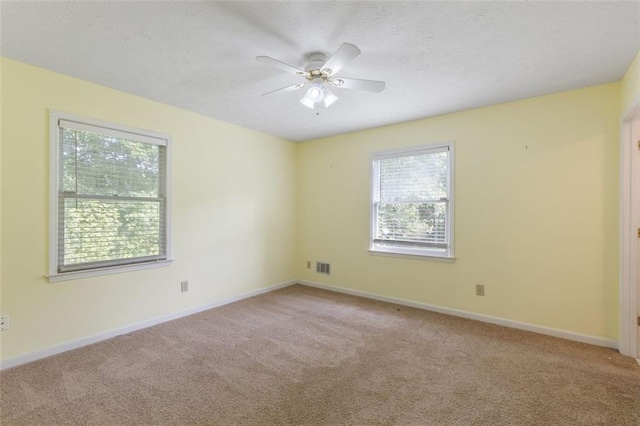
pixel 54 174
pixel 421 256
pixel 432 254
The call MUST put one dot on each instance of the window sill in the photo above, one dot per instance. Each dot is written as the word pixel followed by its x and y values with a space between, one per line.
pixel 414 255
pixel 66 276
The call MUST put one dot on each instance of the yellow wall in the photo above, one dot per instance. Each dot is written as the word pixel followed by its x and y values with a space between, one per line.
pixel 536 211
pixel 233 205
pixel 630 91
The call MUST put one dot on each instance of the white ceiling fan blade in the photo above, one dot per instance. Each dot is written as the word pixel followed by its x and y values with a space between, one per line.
pixel 280 65
pixel 286 89
pixel 345 54
pixel 355 83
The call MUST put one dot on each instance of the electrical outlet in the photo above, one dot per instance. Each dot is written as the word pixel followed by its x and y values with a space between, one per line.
pixel 308 264
pixel 184 286
pixel 4 322
pixel 479 289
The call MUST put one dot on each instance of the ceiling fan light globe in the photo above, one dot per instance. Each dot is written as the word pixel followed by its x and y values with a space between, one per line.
pixel 315 94
pixel 307 102
pixel 329 98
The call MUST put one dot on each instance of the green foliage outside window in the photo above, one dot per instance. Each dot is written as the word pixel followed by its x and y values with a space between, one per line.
pixel 112 198
pixel 413 197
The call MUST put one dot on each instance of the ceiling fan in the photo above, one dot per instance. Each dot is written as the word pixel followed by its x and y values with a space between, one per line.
pixel 320 76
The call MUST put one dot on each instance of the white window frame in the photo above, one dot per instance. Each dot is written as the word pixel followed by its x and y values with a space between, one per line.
pixel 116 130
pixel 446 254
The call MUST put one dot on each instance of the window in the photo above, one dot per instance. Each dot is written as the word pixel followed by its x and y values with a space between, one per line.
pixel 109 205
pixel 412 211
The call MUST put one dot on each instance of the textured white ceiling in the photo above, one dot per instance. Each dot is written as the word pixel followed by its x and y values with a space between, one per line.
pixel 436 57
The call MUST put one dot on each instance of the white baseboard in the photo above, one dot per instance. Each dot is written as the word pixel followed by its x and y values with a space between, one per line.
pixel 84 341
pixel 578 337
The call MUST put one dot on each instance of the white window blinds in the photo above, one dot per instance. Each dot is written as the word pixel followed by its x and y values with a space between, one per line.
pixel 411 199
pixel 112 205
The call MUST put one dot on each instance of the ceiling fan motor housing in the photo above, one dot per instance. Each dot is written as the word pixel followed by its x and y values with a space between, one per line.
pixel 315 61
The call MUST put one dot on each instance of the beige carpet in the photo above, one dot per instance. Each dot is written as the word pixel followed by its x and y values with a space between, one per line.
pixel 303 356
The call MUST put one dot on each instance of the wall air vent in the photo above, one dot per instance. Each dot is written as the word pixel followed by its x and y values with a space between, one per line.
pixel 323 268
